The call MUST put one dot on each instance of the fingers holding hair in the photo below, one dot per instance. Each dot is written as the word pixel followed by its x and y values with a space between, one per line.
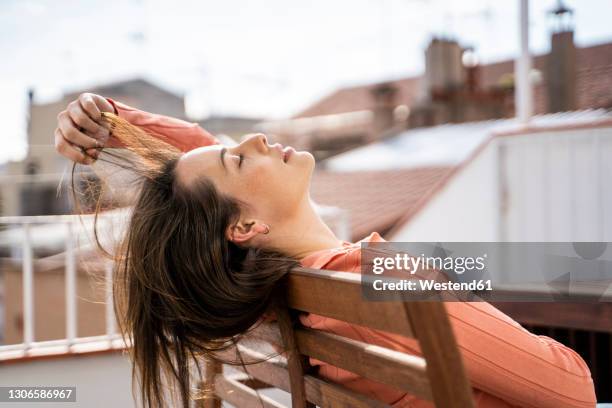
pixel 69 150
pixel 94 105
pixel 72 133
pixel 81 117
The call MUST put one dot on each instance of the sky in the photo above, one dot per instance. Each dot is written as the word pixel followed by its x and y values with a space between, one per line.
pixel 266 59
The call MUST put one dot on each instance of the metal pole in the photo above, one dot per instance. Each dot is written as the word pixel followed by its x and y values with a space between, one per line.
pixel 523 94
pixel 28 289
pixel 110 314
pixel 70 290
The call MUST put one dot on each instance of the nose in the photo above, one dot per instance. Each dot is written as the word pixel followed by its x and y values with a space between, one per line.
pixel 257 141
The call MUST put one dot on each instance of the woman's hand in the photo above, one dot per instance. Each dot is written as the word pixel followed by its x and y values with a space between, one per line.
pixel 80 129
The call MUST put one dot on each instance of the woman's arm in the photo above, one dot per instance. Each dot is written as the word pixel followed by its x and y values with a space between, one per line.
pixel 507 360
pixel 179 133
pixel 80 125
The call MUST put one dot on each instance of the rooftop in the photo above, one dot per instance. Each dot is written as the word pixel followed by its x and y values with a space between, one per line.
pixel 594 85
pixel 376 200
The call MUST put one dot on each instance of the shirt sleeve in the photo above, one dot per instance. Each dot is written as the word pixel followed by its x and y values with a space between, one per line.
pixel 184 135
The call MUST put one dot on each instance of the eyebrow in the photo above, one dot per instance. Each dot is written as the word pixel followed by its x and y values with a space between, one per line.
pixel 223 151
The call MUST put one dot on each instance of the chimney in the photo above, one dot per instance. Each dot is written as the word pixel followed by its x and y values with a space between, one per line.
pixel 385 96
pixel 472 69
pixel 561 62
pixel 444 69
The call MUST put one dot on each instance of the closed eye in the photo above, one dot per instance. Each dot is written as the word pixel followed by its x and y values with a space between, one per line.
pixel 241 159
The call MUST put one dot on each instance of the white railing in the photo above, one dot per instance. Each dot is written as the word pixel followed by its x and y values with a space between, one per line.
pixel 337 219
pixel 29 344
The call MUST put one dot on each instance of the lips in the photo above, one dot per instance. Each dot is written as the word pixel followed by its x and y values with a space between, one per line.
pixel 287 152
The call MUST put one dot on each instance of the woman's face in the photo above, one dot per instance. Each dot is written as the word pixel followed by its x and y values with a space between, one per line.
pixel 253 172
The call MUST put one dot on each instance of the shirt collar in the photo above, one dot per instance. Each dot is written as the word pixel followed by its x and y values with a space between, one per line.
pixel 318 259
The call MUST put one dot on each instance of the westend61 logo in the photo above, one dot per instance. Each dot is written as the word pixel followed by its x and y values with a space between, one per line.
pixel 490 271
pixel 412 264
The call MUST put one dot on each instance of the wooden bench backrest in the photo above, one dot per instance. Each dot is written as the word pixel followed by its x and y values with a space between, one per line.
pixel 438 376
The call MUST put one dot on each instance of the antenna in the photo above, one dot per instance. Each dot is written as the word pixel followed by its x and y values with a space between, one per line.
pixel 562 17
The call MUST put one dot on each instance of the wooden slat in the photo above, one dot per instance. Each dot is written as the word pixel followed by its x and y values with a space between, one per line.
pixel 315 291
pixel 400 370
pixel 361 358
pixel 212 369
pixel 449 383
pixel 249 381
pixel 240 395
pixel 254 383
pixel 294 360
pixel 326 394
pixel 318 391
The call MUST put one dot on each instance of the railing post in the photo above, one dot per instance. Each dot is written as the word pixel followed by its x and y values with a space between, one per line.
pixel 294 358
pixel 212 368
pixel 28 289
pixel 70 289
pixel 110 314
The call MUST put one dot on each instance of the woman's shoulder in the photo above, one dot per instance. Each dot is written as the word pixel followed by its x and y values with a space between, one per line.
pixel 348 258
pixel 356 248
pixel 372 237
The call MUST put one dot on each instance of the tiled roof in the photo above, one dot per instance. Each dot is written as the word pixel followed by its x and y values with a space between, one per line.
pixel 376 199
pixel 593 82
pixel 360 98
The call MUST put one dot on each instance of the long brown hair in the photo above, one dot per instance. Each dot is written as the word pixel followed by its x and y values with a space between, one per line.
pixel 182 292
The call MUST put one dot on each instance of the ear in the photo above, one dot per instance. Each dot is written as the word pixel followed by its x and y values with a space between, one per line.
pixel 244 230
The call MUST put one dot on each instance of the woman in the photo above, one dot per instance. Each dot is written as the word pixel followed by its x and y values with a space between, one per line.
pixel 215 228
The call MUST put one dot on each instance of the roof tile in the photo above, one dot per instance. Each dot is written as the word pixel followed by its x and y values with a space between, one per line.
pixel 376 199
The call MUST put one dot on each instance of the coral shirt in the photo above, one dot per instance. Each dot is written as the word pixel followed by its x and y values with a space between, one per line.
pixel 506 364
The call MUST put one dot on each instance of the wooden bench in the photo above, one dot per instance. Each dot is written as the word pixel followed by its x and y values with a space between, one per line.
pixel 439 376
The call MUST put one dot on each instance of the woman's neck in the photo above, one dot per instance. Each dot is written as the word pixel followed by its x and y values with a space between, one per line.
pixel 303 234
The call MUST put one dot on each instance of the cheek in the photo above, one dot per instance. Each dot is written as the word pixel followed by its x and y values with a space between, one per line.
pixel 256 184
pixel 278 190
pixel 274 187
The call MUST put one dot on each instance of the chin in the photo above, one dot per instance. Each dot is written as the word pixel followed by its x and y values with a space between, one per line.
pixel 304 169
pixel 302 158
pixel 309 158
pixel 310 163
